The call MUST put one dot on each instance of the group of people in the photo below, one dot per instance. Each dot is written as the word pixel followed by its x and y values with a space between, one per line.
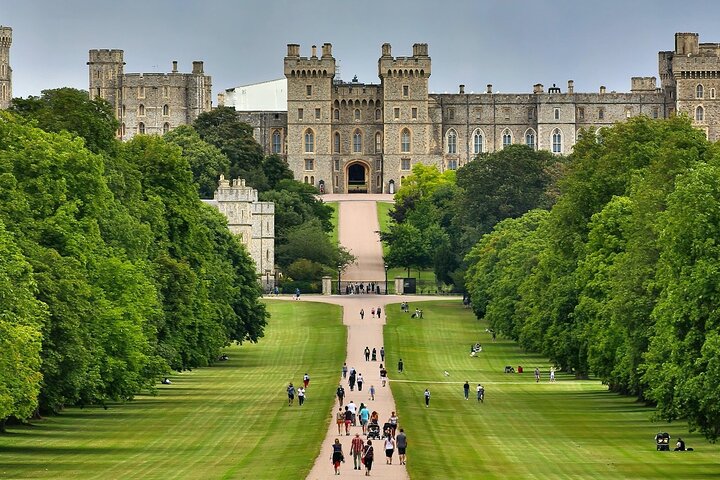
pixel 373 311
pixel 480 390
pixel 300 391
pixel 371 355
pixel 361 288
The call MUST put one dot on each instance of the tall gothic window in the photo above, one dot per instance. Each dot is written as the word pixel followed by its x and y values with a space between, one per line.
pixel 478 142
pixel 530 138
pixel 452 142
pixel 699 114
pixel 357 141
pixel 378 143
pixel 166 127
pixel 506 138
pixel 276 142
pixel 405 141
pixel 166 110
pixel 336 143
pixel 699 91
pixel 141 128
pixel 141 110
pixel 309 141
pixel 556 141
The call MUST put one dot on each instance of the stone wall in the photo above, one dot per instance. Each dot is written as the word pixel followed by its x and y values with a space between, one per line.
pixel 5 69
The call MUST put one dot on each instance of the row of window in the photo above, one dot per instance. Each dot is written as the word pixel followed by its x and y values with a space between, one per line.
pixel 700 91
pixel 141 91
pixel 478 140
pixel 405 90
pixel 141 110
pixel 357 114
pixel 141 129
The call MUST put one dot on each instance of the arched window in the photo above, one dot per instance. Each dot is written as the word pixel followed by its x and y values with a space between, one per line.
pixel 312 179
pixel 530 138
pixel 336 113
pixel 557 141
pixel 506 138
pixel 122 130
pixel 478 142
pixel 166 127
pixel 378 114
pixel 305 180
pixel 309 141
pixel 141 110
pixel 276 142
pixel 141 128
pixel 699 91
pixel 357 114
pixel 405 141
pixel 336 143
pixel 451 142
pixel 699 114
pixel 166 110
pixel 378 143
pixel 357 141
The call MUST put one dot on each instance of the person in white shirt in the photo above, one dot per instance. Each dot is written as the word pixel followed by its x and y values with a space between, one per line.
pixel 353 408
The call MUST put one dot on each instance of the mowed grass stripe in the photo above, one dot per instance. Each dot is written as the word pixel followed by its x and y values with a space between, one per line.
pixel 228 421
pixel 562 430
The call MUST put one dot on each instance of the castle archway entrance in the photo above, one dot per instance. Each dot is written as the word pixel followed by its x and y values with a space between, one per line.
pixel 358 177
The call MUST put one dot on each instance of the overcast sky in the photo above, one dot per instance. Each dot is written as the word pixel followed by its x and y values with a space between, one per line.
pixel 512 44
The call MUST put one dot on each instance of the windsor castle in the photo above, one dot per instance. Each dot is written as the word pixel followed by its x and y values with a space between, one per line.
pixel 360 137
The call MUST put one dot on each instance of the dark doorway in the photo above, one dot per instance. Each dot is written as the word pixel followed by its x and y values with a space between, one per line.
pixel 357 180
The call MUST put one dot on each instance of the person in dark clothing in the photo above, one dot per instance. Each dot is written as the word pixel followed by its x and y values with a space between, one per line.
pixel 368 457
pixel 400 366
pixel 340 394
pixel 466 390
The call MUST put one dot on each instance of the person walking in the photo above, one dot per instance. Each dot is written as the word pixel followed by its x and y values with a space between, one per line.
pixel 340 420
pixel 306 380
pixel 340 392
pixel 427 397
pixel 353 409
pixel 344 370
pixel 552 374
pixel 393 421
pixel 537 375
pixel 367 354
pixel 383 375
pixel 400 366
pixel 379 311
pixel 297 294
pixel 401 443
pixel 337 456
pixel 362 313
pixel 290 394
pixel 356 448
pixel 374 354
pixel 372 392
pixel 389 449
pixel 466 389
pixel 368 457
pixel 480 393
pixel 301 396
pixel 372 312
pixel 359 381
pixel 351 380
pixel 382 354
pixel 364 417
pixel 348 420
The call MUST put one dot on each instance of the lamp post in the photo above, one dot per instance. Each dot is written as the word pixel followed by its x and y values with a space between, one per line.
pixel 386 270
pixel 339 271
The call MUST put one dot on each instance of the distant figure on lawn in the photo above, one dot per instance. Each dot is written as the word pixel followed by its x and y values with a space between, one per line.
pixel 166 381
pixel 552 374
pixel 537 374
pixel 400 366
pixel 290 394
pixel 427 397
pixel 297 294
pixel 480 393
pixel 306 380
pixel 301 396
pixel 466 390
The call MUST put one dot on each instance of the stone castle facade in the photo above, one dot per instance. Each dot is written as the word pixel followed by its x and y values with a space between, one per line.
pixel 5 70
pixel 252 221
pixel 148 103
pixel 356 137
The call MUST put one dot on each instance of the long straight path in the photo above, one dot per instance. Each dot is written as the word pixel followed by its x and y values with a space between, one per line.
pixel 358 225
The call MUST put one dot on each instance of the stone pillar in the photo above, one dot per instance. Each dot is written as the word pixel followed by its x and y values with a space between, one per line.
pixel 399 285
pixel 326 285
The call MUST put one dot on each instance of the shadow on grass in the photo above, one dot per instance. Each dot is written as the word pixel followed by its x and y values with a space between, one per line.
pixel 54 450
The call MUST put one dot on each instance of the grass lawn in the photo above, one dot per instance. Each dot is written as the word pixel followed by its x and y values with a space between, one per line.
pixel 524 430
pixel 228 421
pixel 334 220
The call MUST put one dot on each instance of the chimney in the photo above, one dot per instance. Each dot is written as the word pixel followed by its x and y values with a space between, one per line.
pixel 293 50
pixel 314 51
pixel 462 89
pixel 327 50
pixel 602 89
pixel 571 86
pixel 420 50
pixel 386 49
pixel 174 70
pixel 197 67
pixel 489 88
pixel 538 88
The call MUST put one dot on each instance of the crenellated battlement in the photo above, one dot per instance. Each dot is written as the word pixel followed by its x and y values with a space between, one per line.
pixel 105 56
pixel 5 37
pixel 418 65
pixel 309 67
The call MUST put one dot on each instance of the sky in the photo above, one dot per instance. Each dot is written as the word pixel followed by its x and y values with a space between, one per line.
pixel 511 44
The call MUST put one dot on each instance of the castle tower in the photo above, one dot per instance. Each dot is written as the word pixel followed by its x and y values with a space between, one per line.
pixel 407 123
pixel 5 70
pixel 106 69
pixel 309 133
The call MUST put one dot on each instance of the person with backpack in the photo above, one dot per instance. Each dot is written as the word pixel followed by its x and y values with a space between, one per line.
pixel 368 457
pixel 340 394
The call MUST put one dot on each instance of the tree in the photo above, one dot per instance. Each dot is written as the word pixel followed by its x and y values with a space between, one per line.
pixel 68 109
pixel 407 247
pixel 206 161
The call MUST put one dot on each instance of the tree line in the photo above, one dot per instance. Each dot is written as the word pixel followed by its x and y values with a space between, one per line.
pixel 614 272
pixel 112 270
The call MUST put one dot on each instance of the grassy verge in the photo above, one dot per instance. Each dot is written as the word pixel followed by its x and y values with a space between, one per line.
pixel 228 421
pixel 334 220
pixel 562 430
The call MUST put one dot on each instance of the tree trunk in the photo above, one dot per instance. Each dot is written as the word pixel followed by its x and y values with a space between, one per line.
pixel 2 425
